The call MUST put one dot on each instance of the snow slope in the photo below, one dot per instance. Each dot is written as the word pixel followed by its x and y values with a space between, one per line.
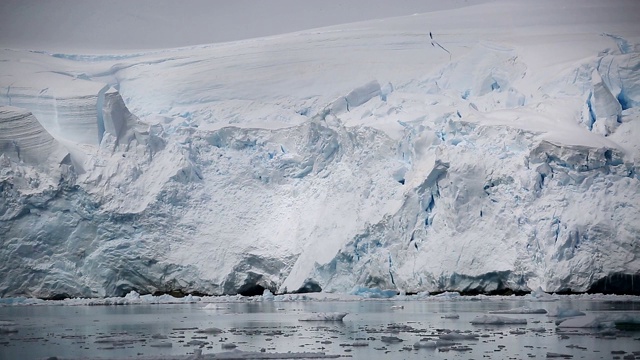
pixel 482 149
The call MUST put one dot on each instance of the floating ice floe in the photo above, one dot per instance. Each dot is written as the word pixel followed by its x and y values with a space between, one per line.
pixel 520 310
pixel 240 355
pixel 161 344
pixel 455 348
pixel 587 321
pixel 456 336
pixel 430 344
pixel 424 345
pixel 564 313
pixel 538 330
pixel 496 320
pixel 390 339
pixel 551 355
pixel 211 330
pixel 356 344
pixel 622 322
pixel 451 316
pixel 7 327
pixel 325 316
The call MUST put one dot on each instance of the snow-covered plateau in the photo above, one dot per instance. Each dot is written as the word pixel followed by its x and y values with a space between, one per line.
pixel 485 149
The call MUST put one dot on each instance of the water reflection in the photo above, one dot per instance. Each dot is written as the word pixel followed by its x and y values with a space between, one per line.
pixel 389 329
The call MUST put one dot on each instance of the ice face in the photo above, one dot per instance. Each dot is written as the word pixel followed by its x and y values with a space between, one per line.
pixel 281 164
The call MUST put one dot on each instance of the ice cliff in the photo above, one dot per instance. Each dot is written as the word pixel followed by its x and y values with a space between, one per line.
pixel 354 156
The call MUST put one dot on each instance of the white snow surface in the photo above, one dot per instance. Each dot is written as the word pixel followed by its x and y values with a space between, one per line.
pixel 481 148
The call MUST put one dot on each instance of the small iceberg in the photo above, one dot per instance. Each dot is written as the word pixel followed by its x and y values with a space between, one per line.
pixel 326 316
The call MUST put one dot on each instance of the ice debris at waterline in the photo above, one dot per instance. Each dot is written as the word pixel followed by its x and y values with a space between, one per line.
pixel 357 156
pixel 216 303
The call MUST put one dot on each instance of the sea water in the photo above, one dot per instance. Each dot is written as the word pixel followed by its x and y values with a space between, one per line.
pixel 380 329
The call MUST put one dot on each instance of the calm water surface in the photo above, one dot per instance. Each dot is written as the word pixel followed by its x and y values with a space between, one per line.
pixel 128 331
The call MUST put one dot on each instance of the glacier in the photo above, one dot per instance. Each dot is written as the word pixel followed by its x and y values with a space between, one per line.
pixel 357 156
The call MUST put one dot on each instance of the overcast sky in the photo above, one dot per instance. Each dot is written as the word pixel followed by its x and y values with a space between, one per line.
pixel 59 25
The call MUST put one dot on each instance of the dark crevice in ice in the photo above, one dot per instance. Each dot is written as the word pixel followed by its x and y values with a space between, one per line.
pixel 61 296
pixel 623 100
pixel 251 290
pixel 617 284
pixel 310 286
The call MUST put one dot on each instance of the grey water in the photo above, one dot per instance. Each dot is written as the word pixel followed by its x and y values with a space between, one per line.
pixel 130 331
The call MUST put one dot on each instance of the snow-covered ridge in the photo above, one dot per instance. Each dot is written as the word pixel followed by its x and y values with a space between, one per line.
pixel 412 154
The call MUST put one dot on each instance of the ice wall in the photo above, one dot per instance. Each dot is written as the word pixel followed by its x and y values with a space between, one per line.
pixel 231 168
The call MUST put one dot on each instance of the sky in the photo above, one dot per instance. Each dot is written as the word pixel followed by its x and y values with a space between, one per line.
pixel 77 25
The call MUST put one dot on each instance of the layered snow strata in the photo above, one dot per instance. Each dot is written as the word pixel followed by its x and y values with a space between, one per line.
pixel 68 104
pixel 24 140
pixel 66 107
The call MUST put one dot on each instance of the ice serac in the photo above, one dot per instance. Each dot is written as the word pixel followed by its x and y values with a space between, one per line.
pixel 114 117
pixel 605 107
pixel 231 169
